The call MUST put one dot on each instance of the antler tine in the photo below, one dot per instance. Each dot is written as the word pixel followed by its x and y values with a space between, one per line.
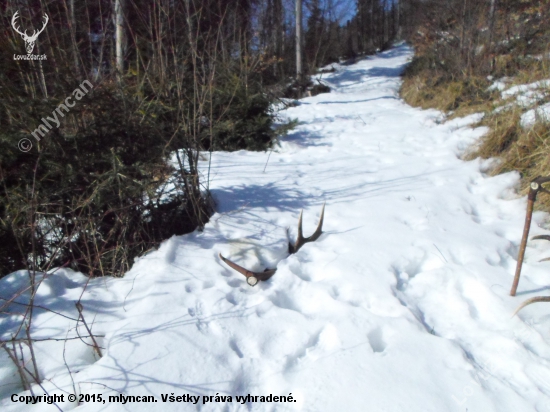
pixel 542 237
pixel 36 33
pixel 300 240
pixel 532 300
pixel 319 229
pixel 46 20
pixel 13 19
pixel 300 237
pixel 252 278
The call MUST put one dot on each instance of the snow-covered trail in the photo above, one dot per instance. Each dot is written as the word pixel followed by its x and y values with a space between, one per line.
pixel 401 305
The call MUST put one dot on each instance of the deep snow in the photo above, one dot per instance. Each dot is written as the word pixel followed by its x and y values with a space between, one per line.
pixel 401 305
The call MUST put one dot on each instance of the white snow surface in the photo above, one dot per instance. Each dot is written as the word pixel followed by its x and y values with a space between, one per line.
pixel 499 84
pixel 401 305
pixel 526 95
pixel 541 113
pixel 524 88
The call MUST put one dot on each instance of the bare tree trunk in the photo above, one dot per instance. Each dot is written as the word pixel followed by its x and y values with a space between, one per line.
pixel 371 25
pixel 385 22
pixel 397 19
pixel 279 33
pixel 492 11
pixel 463 34
pixel 120 35
pixel 72 28
pixel 299 69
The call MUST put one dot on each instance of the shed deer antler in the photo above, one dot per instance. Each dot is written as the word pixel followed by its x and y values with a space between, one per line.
pixel 252 278
pixel 532 300
pixel 543 237
pixel 29 40
pixel 535 299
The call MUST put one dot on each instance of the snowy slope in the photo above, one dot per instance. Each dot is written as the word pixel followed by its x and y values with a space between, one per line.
pixel 401 305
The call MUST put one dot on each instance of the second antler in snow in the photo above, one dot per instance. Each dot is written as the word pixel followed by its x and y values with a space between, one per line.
pixel 252 278
pixel 300 240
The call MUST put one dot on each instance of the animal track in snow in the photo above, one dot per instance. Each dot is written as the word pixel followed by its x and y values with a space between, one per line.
pixel 297 268
pixel 346 294
pixel 235 347
pixel 285 300
pixel 418 224
pixel 499 258
pixel 192 287
pixel 319 345
pixel 207 284
pixel 376 340
pixel 405 270
pixel 471 210
pixel 235 283
pixel 233 298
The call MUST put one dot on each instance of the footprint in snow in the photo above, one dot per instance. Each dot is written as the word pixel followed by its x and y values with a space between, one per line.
pixel 297 269
pixel 405 270
pixel 286 300
pixel 192 287
pixel 235 347
pixel 347 294
pixel 376 340
pixel 235 283
pixel 170 248
pixel 195 286
pixel 319 346
pixel 418 224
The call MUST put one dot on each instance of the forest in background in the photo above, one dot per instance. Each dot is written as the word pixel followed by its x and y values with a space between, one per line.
pixel 170 80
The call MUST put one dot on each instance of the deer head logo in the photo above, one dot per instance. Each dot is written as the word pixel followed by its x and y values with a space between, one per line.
pixel 29 40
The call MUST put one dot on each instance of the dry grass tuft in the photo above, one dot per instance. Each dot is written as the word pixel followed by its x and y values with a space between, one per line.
pixel 526 150
pixel 532 70
pixel 504 130
pixel 427 89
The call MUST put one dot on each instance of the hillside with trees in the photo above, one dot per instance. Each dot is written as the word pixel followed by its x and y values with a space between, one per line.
pixel 168 78
pixel 213 205
pixel 490 57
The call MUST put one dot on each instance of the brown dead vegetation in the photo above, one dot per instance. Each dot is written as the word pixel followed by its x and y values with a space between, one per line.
pixel 461 49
